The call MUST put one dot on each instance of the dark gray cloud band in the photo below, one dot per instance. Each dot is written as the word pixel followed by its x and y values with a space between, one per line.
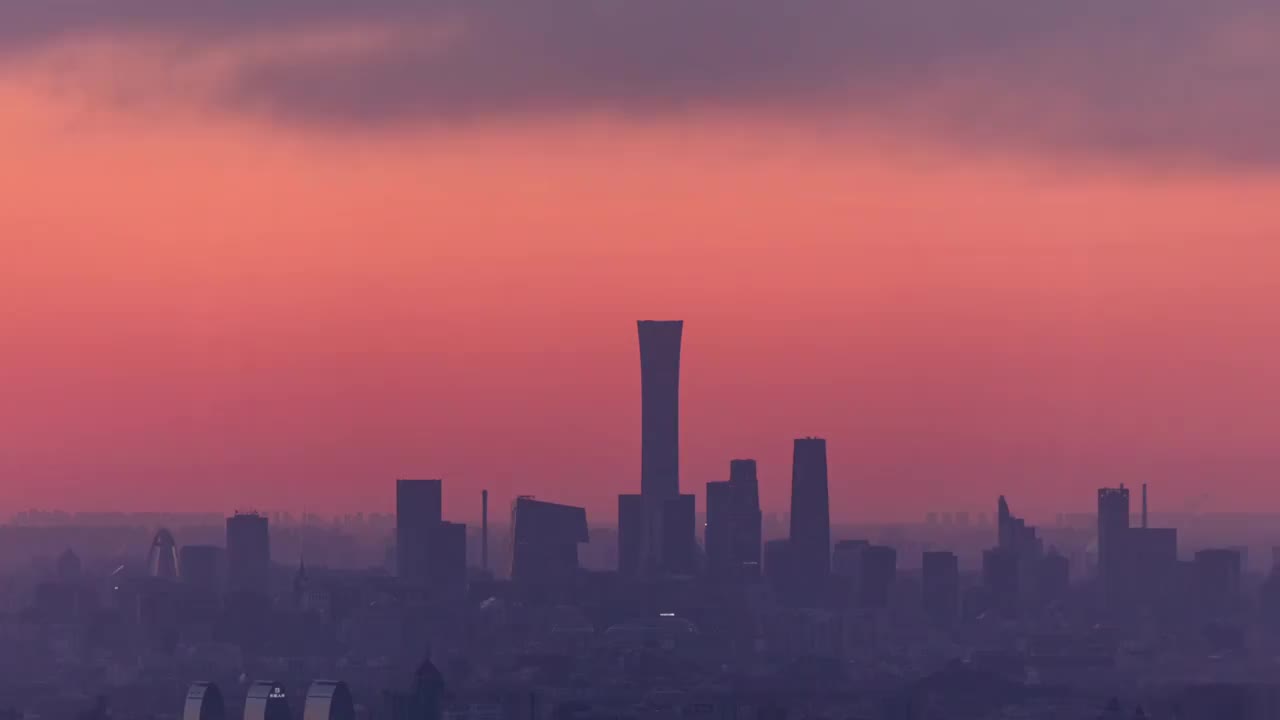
pixel 1180 79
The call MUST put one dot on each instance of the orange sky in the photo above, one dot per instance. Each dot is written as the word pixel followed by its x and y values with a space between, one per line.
pixel 206 310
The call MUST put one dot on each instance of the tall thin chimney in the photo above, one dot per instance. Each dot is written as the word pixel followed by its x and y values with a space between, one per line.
pixel 1144 505
pixel 484 530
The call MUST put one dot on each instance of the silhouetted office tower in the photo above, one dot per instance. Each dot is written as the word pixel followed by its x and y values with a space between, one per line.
pixel 660 407
pixel 1053 577
pixel 679 535
pixel 1152 564
pixel 1113 529
pixel 777 565
pixel 732 538
pixel 446 562
pixel 1000 577
pixel 748 520
pixel 1217 580
pixel 879 572
pixel 940 585
pixel 546 537
pixel 810 520
pixel 718 535
pixel 248 553
pixel 631 534
pixel 201 566
pixel 846 558
pixel 418 515
pixel 1243 550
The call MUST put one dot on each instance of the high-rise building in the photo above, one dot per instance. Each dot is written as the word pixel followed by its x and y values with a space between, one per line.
pixel 678 536
pixel 631 534
pixel 202 566
pixel 1113 530
pixel 660 407
pixel 446 565
pixel 1151 564
pixel 846 558
pixel 879 573
pixel 940 585
pixel 248 554
pixel 748 520
pixel 1243 551
pixel 717 538
pixel 658 544
pixel 1217 580
pixel 810 520
pixel 1053 577
pixel 778 569
pixel 419 513
pixel 732 538
pixel 546 537
pixel 1001 579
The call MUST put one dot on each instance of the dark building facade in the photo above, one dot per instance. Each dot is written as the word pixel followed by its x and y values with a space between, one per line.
pixel 202 566
pixel 879 573
pixel 419 512
pixel 940 585
pixel 718 536
pixel 660 407
pixel 248 553
pixel 678 537
pixel 1216 574
pixel 1113 530
pixel 1053 578
pixel 1015 563
pixel 546 537
pixel 1152 565
pixel 1001 579
pixel 657 533
pixel 631 534
pixel 846 558
pixel 732 538
pixel 810 534
pixel 777 565
pixel 748 519
pixel 446 566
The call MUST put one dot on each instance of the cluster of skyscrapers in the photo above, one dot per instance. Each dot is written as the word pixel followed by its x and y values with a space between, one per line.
pixel 657 527
pixel 1137 566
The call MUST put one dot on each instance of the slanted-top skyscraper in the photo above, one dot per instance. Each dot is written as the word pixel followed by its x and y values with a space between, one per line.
pixel 810 546
pixel 660 408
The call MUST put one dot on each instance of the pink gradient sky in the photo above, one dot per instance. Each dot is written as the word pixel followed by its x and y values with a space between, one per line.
pixel 204 307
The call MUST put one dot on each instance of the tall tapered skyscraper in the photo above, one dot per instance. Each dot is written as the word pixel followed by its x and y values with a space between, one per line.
pixel 660 408
pixel 652 537
pixel 810 546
